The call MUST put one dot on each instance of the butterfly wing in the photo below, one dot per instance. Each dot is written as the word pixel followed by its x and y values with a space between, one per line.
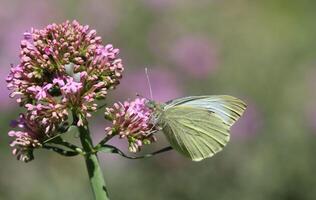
pixel 198 126
pixel 228 108
pixel 194 132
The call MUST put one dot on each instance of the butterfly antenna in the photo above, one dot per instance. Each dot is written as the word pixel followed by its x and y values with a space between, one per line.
pixel 149 85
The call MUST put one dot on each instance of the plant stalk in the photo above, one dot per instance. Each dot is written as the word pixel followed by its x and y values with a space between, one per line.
pixel 92 162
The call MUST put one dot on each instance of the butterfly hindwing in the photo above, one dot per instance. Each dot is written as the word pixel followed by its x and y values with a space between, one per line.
pixel 195 133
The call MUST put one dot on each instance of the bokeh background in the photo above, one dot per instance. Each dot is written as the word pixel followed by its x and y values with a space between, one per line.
pixel 260 51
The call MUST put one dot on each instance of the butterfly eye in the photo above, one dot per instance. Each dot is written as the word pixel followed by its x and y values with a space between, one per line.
pixel 151 104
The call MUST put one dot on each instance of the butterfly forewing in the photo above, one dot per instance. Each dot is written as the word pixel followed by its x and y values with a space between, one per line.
pixel 227 107
pixel 198 126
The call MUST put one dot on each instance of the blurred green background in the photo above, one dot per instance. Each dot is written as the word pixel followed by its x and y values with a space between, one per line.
pixel 260 51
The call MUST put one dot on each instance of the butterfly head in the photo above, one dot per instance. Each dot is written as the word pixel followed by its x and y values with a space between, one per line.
pixel 156 107
pixel 152 105
pixel 157 110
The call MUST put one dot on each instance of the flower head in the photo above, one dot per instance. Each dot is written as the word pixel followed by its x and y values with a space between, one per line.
pixel 132 120
pixel 64 65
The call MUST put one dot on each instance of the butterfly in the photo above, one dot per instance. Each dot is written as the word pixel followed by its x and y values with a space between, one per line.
pixel 198 126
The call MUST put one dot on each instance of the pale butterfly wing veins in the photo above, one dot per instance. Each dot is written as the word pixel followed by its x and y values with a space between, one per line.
pixel 198 126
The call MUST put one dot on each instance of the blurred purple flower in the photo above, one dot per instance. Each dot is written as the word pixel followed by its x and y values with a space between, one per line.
pixel 160 4
pixel 249 124
pixel 103 15
pixel 196 55
pixel 164 85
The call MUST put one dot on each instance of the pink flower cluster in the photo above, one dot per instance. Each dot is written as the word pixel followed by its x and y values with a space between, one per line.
pixel 132 120
pixel 27 139
pixel 63 68
pixel 66 60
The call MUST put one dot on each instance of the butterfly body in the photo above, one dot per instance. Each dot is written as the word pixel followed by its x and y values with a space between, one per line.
pixel 198 126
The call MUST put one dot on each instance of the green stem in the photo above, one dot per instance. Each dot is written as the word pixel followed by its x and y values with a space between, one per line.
pixel 112 149
pixel 94 170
